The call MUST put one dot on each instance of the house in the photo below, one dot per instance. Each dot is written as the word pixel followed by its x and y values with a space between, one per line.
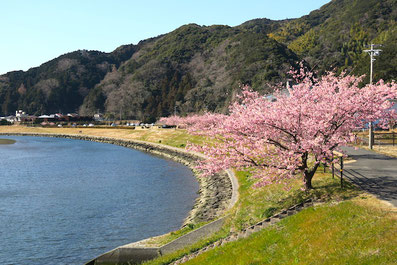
pixel 10 119
pixel 20 115
pixel 98 117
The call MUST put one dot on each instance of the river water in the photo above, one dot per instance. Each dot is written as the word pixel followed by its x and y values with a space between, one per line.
pixel 66 201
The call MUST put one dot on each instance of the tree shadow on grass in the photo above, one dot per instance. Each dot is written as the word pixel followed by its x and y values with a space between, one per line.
pixel 323 191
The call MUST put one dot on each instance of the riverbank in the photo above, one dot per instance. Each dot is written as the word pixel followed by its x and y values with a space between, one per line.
pixel 356 231
pixel 169 137
pixel 7 141
pixel 345 225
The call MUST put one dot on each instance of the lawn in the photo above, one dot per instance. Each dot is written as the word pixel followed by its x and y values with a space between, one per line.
pixel 355 231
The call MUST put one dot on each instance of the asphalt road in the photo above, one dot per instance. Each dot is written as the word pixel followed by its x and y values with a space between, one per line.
pixel 373 172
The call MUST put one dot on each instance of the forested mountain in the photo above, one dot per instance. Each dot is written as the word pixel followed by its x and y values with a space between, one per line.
pixel 60 84
pixel 197 68
pixel 334 36
pixel 192 68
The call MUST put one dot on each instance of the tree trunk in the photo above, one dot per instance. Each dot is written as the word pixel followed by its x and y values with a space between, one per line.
pixel 308 176
pixel 308 172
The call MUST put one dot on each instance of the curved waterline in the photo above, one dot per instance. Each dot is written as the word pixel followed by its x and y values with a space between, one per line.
pixel 212 202
pixel 7 141
pixel 65 201
pixel 217 193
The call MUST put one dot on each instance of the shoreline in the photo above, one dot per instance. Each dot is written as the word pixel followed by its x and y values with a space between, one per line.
pixel 216 194
pixel 6 141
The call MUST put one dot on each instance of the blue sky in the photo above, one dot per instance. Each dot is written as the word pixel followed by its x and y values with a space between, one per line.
pixel 35 31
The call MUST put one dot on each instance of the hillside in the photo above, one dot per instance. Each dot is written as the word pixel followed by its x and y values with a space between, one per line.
pixel 192 68
pixel 60 84
pixel 196 68
pixel 333 37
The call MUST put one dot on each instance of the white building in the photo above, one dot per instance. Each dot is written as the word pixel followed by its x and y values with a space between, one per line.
pixel 20 115
pixel 98 117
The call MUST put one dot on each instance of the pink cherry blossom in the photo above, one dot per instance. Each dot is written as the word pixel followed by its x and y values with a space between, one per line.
pixel 291 136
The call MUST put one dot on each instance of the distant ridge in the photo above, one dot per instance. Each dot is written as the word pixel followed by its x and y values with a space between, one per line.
pixel 196 68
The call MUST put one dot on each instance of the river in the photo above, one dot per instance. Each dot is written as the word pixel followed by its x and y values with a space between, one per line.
pixel 66 201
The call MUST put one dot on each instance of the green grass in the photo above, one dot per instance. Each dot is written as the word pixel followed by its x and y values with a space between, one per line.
pixel 255 205
pixel 166 238
pixel 167 259
pixel 172 137
pixel 176 138
pixel 344 233
pixel 181 139
pixel 7 141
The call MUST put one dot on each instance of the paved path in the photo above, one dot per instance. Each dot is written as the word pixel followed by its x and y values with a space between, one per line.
pixel 373 172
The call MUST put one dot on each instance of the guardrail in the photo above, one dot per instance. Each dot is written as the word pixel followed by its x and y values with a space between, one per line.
pixel 385 138
pixel 380 138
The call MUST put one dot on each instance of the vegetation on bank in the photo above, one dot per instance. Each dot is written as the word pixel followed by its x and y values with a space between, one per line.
pixel 7 141
pixel 349 227
pixel 257 204
pixel 383 149
pixel 356 231
pixel 172 137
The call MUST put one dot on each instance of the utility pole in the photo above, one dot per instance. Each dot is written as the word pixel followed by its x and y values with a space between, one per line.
pixel 372 53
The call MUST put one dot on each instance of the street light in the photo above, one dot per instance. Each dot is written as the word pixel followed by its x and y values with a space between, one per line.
pixel 372 53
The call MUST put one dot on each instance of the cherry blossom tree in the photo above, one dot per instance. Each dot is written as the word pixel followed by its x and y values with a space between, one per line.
pixel 290 136
pixel 173 120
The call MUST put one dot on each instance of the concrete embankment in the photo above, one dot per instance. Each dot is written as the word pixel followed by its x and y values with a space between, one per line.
pixel 216 194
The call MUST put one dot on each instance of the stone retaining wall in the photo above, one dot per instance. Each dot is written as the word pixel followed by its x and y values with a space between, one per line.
pixel 133 254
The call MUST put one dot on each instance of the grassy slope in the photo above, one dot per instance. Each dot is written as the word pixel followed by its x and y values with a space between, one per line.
pixel 358 230
pixel 257 204
pixel 350 232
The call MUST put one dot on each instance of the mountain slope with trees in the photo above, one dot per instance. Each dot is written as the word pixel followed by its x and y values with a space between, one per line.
pixel 196 68
pixel 59 85
pixel 191 69
pixel 334 36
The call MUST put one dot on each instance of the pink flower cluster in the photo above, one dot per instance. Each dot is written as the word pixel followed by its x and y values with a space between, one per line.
pixel 277 139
